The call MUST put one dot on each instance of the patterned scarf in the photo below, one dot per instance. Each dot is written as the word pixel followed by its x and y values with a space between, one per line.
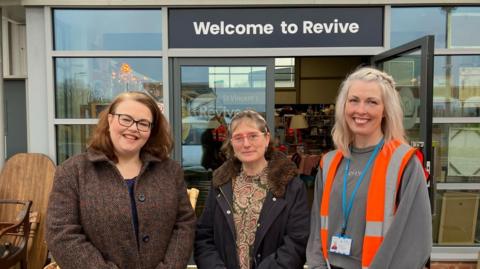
pixel 249 193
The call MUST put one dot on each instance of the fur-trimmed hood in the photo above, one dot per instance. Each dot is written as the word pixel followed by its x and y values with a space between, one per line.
pixel 280 172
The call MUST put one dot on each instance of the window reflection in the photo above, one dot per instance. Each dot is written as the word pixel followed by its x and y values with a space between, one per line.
pixel 463 21
pixel 84 86
pixel 456 148
pixel 410 23
pixel 405 69
pixel 210 96
pixel 456 153
pixel 72 139
pixel 451 26
pixel 456 86
pixel 103 29
pixel 456 220
pixel 284 72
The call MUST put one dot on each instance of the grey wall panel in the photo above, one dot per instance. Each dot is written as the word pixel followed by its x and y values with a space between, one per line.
pixel 15 117
pixel 36 94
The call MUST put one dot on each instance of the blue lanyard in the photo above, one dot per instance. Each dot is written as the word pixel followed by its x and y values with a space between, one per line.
pixel 346 211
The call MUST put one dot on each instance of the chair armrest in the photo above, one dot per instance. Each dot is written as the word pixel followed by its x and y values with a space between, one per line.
pixel 10 227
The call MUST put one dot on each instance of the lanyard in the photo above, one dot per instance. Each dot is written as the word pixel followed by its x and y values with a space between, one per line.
pixel 346 210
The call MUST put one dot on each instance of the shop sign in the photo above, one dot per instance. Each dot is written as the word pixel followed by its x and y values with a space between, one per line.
pixel 275 27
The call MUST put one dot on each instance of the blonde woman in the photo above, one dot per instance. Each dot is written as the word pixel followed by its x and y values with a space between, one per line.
pixel 371 207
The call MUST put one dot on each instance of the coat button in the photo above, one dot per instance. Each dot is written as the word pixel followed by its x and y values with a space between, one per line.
pixel 141 197
pixel 229 212
pixel 259 255
pixel 258 224
pixel 218 195
pixel 146 238
pixel 274 199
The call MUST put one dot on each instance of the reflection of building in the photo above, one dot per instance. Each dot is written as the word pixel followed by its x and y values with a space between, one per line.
pixel 128 79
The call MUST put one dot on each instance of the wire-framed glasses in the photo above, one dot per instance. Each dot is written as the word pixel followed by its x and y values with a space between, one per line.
pixel 251 137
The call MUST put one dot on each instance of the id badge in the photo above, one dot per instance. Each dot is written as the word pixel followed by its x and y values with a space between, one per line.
pixel 341 244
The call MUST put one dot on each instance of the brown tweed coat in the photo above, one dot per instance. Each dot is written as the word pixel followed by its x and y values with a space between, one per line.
pixel 89 219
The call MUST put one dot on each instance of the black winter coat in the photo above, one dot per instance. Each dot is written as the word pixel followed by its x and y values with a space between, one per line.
pixel 283 226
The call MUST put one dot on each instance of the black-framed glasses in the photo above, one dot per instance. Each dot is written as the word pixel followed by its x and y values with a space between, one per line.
pixel 127 121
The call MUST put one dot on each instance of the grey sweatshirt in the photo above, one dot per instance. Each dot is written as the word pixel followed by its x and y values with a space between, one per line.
pixel 408 242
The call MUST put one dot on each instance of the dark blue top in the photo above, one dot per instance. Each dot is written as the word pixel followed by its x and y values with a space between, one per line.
pixel 131 192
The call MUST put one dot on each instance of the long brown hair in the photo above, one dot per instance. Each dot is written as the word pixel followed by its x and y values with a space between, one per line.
pixel 160 142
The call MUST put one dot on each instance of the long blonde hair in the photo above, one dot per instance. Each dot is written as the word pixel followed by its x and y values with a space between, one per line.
pixel 392 122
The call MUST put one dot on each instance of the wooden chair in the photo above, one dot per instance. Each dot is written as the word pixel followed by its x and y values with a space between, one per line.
pixel 193 196
pixel 14 234
pixel 29 176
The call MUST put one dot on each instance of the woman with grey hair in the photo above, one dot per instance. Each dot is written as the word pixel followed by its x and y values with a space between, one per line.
pixel 371 207
pixel 256 215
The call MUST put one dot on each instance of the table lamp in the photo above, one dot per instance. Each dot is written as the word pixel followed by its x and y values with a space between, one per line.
pixel 298 122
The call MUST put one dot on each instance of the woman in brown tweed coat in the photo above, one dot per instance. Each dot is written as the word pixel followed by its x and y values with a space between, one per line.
pixel 122 203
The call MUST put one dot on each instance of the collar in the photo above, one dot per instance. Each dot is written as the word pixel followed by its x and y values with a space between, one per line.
pixel 280 172
pixel 98 156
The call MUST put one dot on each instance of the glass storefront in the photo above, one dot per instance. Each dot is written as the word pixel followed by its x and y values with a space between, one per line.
pixel 405 70
pixel 452 26
pixel 456 110
pixel 84 86
pixel 71 139
pixel 457 152
pixel 410 23
pixel 462 22
pixel 456 141
pixel 103 52
pixel 210 96
pixel 284 72
pixel 107 29
pixel 455 222
pixel 457 86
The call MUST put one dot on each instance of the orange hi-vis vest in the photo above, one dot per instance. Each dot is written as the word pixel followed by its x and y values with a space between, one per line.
pixel 382 192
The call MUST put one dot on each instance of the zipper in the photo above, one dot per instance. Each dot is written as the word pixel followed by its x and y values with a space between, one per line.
pixel 234 232
pixel 225 197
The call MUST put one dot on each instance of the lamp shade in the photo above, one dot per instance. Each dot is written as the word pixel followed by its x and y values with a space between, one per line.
pixel 298 122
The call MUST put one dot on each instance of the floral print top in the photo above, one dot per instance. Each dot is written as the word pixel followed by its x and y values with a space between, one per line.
pixel 249 193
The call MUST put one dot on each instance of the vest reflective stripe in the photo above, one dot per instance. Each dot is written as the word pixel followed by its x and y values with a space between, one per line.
pixel 329 164
pixel 325 162
pixel 372 239
pixel 404 163
pixel 375 209
pixel 323 222
pixel 395 170
pixel 381 197
pixel 373 228
pixel 380 209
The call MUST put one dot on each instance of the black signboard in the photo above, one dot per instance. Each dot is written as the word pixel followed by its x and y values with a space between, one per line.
pixel 275 27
